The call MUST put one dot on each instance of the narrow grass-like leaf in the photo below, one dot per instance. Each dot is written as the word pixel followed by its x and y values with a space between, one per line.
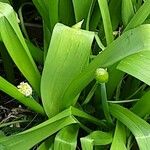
pixel 42 7
pixel 66 138
pixel 47 144
pixel 67 56
pixel 66 12
pixel 36 52
pixel 103 4
pixel 11 90
pixel 7 63
pixel 131 42
pixel 140 16
pixel 53 8
pixel 95 18
pixel 137 65
pixel 115 13
pixel 16 46
pixel 139 127
pixel 119 139
pixel 89 14
pixel 127 11
pixel 81 9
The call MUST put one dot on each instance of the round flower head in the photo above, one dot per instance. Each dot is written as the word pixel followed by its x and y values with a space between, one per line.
pixel 101 75
pixel 25 88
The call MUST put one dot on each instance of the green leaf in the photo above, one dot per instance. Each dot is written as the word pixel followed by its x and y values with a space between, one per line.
pixel 139 127
pixel 36 52
pixel 66 138
pixel 103 4
pixel 119 139
pixel 31 136
pixel 137 65
pixel 53 8
pixel 7 63
pixel 47 144
pixel 142 107
pixel 140 16
pixel 115 13
pixel 81 9
pixel 131 42
pixel 16 46
pixel 95 138
pixel 42 7
pixel 66 12
pixel 66 58
pixel 127 11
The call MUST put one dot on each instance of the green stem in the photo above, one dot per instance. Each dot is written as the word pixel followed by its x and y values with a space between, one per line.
pixel 105 103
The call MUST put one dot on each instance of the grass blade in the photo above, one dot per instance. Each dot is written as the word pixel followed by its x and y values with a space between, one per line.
pixel 127 11
pixel 103 4
pixel 119 139
pixel 140 16
pixel 81 9
pixel 139 127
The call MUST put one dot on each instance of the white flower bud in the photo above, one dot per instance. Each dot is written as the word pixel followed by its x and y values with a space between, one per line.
pixel 25 89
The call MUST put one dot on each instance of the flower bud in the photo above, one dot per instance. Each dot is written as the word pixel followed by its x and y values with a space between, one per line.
pixel 101 75
pixel 25 89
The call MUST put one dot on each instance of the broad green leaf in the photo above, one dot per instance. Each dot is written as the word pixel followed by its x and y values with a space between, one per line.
pixel 67 56
pixel 16 46
pixel 127 11
pixel 103 4
pixel 81 9
pixel 119 139
pixel 66 138
pixel 131 42
pixel 137 65
pixel 139 127
pixel 31 136
pixel 11 90
pixel 140 16
pixel 95 138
